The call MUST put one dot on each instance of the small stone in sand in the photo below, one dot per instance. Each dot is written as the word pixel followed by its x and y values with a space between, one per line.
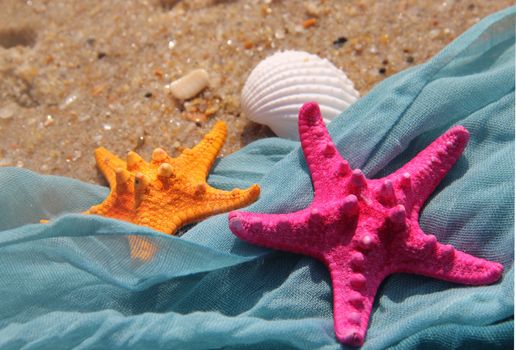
pixel 190 85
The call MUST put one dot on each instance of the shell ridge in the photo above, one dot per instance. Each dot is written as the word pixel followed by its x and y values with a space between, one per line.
pixel 308 83
pixel 300 99
pixel 256 81
pixel 331 93
pixel 256 78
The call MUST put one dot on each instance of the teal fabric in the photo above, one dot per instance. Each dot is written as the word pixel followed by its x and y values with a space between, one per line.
pixel 72 283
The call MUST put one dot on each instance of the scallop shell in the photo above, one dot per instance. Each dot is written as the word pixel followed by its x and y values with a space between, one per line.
pixel 279 85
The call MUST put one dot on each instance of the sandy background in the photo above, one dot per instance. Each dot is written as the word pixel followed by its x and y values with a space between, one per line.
pixel 75 75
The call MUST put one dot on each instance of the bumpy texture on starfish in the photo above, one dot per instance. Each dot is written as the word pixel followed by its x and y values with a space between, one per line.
pixel 364 230
pixel 168 193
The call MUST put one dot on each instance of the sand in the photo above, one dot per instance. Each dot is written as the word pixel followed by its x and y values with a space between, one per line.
pixel 75 75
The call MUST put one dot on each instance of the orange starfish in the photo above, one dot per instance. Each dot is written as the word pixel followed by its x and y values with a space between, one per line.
pixel 167 193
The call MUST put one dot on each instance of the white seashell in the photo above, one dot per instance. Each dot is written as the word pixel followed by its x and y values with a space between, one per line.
pixel 189 85
pixel 279 85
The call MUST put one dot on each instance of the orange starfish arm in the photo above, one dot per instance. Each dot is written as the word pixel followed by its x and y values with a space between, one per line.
pixel 222 201
pixel 197 162
pixel 199 204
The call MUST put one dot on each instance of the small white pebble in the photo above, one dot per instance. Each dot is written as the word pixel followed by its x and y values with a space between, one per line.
pixel 7 112
pixel 68 101
pixel 312 9
pixel 84 117
pixel 434 33
pixel 48 121
pixel 76 155
pixel 279 34
pixel 190 85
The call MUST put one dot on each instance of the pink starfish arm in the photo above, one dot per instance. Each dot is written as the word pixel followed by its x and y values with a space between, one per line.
pixel 295 232
pixel 283 231
pixel 323 159
pixel 354 290
pixel 443 261
pixel 357 275
pixel 426 170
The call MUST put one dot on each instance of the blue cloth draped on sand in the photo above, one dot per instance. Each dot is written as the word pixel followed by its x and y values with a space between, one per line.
pixel 73 284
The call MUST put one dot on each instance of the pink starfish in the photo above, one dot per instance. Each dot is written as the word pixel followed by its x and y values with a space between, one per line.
pixel 366 229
